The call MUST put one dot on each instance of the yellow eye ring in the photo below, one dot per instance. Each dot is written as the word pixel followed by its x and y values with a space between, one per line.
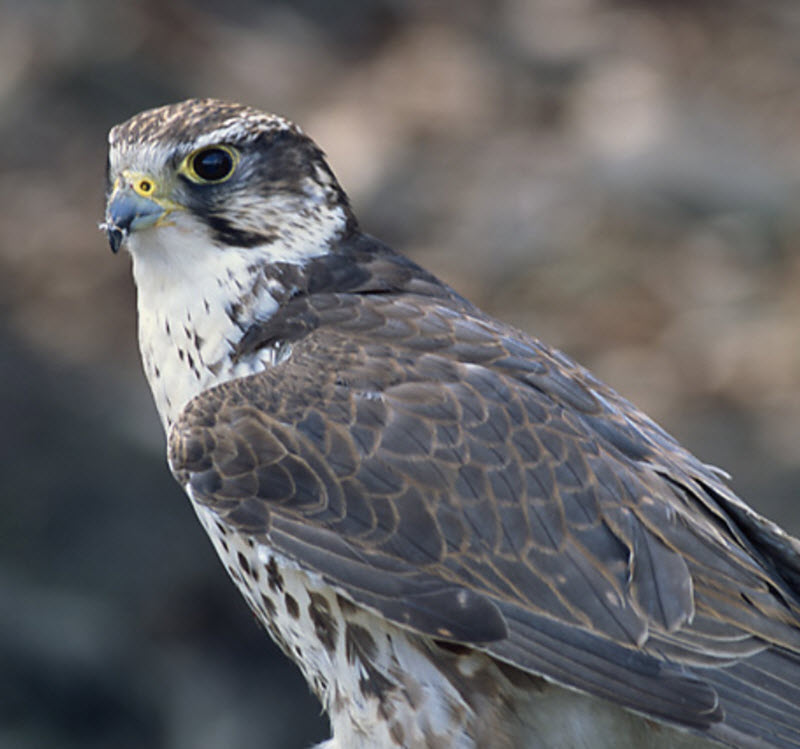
pixel 211 164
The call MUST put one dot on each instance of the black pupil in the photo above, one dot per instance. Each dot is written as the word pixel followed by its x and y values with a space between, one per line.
pixel 213 164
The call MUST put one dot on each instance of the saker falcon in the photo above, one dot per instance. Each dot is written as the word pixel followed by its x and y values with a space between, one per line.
pixel 461 537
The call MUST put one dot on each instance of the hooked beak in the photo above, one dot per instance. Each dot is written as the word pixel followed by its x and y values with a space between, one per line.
pixel 126 212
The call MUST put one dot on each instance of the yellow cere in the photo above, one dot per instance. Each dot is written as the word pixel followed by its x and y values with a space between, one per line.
pixel 144 187
pixel 147 187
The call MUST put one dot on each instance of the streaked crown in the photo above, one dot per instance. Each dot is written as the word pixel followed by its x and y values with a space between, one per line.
pixel 243 174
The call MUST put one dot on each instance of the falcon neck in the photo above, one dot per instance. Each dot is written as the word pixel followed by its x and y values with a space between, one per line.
pixel 192 315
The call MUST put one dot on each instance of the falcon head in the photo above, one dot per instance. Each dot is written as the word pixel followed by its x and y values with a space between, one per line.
pixel 206 176
pixel 218 204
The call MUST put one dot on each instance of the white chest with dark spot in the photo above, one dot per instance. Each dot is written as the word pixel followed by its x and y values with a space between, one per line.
pixel 376 681
pixel 189 320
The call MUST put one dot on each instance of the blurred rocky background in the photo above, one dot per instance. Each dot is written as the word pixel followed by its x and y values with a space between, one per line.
pixel 620 178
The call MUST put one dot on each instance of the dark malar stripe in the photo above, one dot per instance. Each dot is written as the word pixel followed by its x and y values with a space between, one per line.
pixel 224 232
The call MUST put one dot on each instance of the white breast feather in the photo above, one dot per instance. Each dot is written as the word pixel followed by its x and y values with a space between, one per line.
pixel 186 287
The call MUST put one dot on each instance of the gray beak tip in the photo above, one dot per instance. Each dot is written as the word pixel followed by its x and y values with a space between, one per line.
pixel 115 237
pixel 114 234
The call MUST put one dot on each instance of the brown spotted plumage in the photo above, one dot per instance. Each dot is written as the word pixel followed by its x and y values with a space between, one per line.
pixel 462 537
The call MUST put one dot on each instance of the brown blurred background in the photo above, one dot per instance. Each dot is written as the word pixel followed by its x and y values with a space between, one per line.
pixel 618 178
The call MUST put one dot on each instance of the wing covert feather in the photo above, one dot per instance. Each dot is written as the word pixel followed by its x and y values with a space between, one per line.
pixel 463 480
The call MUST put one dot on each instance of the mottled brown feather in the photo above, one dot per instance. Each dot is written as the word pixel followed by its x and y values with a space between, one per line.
pixel 471 484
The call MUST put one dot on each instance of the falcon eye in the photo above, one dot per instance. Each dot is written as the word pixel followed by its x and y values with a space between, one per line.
pixel 214 164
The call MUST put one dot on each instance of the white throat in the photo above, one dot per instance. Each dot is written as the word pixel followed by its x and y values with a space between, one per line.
pixel 196 297
pixel 195 301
